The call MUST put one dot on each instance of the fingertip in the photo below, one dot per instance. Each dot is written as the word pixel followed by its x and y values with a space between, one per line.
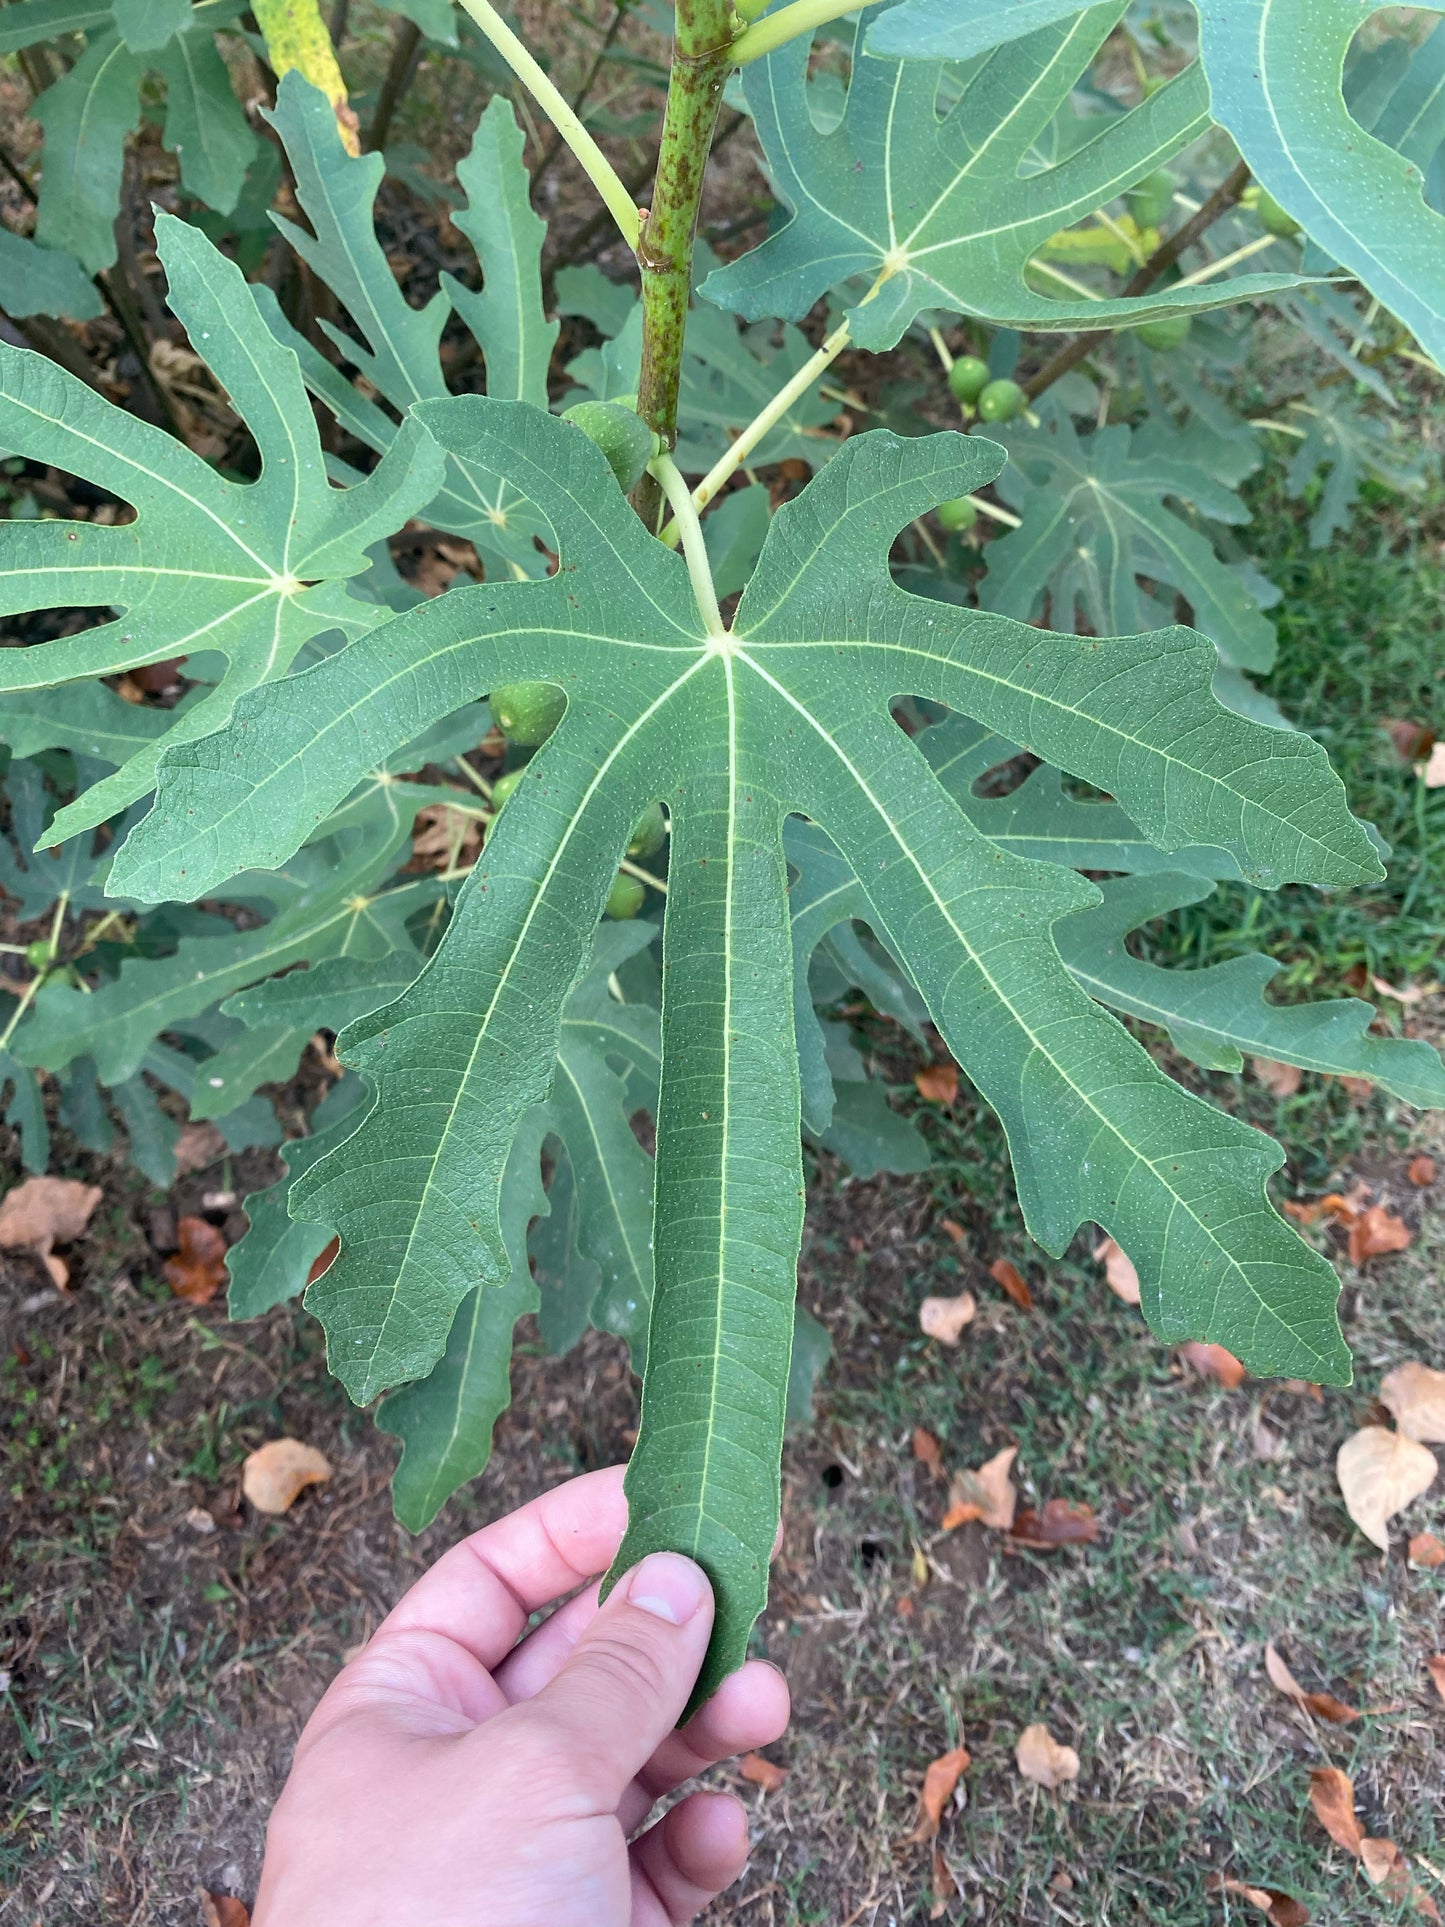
pixel 751 1708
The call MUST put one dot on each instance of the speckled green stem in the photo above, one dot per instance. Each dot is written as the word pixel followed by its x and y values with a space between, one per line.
pixel 701 61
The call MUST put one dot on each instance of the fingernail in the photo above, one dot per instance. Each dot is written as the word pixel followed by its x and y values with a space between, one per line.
pixel 667 1586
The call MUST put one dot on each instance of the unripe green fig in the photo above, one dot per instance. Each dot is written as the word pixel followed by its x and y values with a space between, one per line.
pixel 1165 332
pixel 957 515
pixel 527 712
pixel 504 786
pixel 1273 218
pixel 39 955
pixel 624 899
pixel 624 438
pixel 1150 200
pixel 967 379
pixel 650 834
pixel 1001 401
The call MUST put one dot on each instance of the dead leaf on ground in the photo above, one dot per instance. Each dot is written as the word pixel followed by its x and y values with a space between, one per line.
pixel 1359 1089
pixel 945 1318
pixel 928 1451
pixel 224 1910
pixel 938 1082
pixel 939 1780
pixel 1376 1231
pixel 945 1887
pixel 1406 994
pixel 1412 741
pixel 1265 1442
pixel 1387 1868
pixel 1213 1361
pixel 275 1473
pixel 44 1212
pixel 1421 1170
pixel 1436 1669
pixel 197 1146
pixel 1425 1550
pixel 1311 1210
pixel 1119 1273
pixel 1279 1909
pixel 1013 1282
pixel 445 837
pixel 1042 1759
pixel 763 1773
pixel 1323 1705
pixel 1058 1522
pixel 323 1261
pixel 1415 1393
pixel 988 1495
pixel 1332 1795
pixel 954 1230
pixel 1381 1472
pixel 1283 1079
pixel 1432 771
pixel 198 1269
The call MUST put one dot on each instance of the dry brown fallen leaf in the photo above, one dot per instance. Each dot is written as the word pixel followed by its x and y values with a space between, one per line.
pixel 1013 1282
pixel 1381 1472
pixel 1411 740
pixel 1421 1170
pixel 1283 1079
pixel 445 837
pixel 954 1230
pixel 938 1082
pixel 276 1472
pixel 759 1772
pixel 1426 1550
pixel 1332 1795
pixel 1376 1231
pixel 1279 1909
pixel 1387 1868
pixel 1432 771
pixel 197 1146
pixel 945 1887
pixel 198 1269
pixel 1042 1759
pixel 928 1451
pixel 988 1495
pixel 1407 994
pixel 224 1910
pixel 44 1212
pixel 1213 1361
pixel 1323 1705
pixel 1416 1395
pixel 1058 1522
pixel 945 1318
pixel 1436 1669
pixel 1119 1273
pixel 939 1780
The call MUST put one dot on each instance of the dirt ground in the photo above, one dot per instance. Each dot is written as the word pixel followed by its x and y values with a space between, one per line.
pixel 163 1643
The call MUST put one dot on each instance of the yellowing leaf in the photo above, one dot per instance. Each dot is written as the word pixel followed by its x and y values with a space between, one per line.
pixel 1042 1759
pixel 1381 1472
pixel 275 1473
pixel 945 1318
pixel 1415 1393
pixel 296 36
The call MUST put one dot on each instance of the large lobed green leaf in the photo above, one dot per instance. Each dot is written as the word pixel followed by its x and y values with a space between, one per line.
pixel 249 572
pixel 944 210
pixel 789 713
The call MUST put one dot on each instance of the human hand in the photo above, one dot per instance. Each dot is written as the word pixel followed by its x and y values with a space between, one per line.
pixel 451 1777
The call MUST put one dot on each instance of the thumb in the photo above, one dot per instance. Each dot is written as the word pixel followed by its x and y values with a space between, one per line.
pixel 629 1677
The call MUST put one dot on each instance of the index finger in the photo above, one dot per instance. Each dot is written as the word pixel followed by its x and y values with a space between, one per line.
pixel 481 1594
